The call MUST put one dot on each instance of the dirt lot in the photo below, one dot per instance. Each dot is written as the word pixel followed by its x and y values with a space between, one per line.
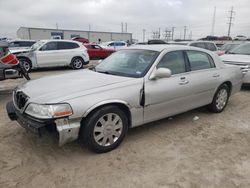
pixel 213 151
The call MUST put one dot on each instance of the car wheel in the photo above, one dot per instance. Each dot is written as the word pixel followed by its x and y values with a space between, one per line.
pixel 220 99
pixel 77 63
pixel 104 129
pixel 26 64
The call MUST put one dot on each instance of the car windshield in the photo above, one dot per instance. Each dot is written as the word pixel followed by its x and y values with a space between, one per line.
pixel 130 63
pixel 227 47
pixel 37 45
pixel 243 49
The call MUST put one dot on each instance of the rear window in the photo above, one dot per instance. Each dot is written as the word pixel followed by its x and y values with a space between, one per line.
pixel 198 45
pixel 199 60
pixel 211 46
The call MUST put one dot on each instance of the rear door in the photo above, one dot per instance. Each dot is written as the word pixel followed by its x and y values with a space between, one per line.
pixel 204 77
pixel 66 51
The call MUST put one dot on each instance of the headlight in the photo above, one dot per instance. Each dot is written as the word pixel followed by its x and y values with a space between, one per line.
pixel 47 111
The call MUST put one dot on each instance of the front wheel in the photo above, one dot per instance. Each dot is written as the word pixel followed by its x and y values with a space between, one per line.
pixel 104 129
pixel 220 99
pixel 77 63
pixel 25 63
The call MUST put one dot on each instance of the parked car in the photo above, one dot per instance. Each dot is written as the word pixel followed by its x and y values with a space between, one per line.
pixel 21 44
pixel 240 56
pixel 131 87
pixel 115 45
pixel 54 53
pixel 10 68
pixel 227 47
pixel 208 45
pixel 81 39
pixel 240 37
pixel 95 51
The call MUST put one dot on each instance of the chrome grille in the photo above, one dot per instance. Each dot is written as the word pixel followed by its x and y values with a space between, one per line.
pixel 20 99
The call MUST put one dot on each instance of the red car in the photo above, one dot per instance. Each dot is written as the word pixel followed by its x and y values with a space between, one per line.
pixel 80 39
pixel 97 52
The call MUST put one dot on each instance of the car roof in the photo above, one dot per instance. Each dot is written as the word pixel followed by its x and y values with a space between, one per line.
pixel 22 40
pixel 161 47
pixel 59 40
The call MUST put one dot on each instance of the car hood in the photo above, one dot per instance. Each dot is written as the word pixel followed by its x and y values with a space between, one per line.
pixel 236 58
pixel 63 87
pixel 17 51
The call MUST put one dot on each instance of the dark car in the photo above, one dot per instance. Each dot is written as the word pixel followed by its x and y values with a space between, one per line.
pixel 97 52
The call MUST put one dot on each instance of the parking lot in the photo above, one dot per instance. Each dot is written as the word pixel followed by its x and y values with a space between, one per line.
pixel 210 150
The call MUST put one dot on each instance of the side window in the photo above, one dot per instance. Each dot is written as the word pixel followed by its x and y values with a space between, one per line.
pixel 199 60
pixel 111 44
pixel 14 44
pixel 67 45
pixel 49 46
pixel 173 61
pixel 211 47
pixel 198 45
pixel 96 47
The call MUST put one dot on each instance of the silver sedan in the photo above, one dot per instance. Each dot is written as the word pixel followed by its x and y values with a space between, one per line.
pixel 131 87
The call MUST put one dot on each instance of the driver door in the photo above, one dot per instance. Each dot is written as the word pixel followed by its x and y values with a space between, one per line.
pixel 46 56
pixel 168 96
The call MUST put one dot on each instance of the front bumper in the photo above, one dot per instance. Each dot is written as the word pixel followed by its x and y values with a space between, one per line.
pixel 68 130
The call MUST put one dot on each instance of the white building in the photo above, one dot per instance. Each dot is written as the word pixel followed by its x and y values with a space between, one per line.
pixel 93 36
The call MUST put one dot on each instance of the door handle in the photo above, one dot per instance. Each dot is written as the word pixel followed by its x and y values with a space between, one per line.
pixel 216 75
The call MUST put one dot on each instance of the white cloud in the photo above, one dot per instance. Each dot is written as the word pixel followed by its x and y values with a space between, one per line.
pixel 107 15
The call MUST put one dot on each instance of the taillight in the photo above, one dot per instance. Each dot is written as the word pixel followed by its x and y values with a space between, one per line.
pixel 9 59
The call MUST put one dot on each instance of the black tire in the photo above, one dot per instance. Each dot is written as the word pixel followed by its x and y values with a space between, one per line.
pixel 214 106
pixel 77 63
pixel 88 135
pixel 25 63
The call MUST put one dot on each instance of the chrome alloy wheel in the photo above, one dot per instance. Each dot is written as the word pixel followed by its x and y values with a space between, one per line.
pixel 25 65
pixel 221 99
pixel 77 63
pixel 108 129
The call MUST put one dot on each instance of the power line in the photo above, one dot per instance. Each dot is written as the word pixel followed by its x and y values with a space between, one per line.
pixel 231 12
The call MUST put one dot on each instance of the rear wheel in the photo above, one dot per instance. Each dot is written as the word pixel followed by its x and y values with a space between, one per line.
pixel 104 129
pixel 220 99
pixel 77 63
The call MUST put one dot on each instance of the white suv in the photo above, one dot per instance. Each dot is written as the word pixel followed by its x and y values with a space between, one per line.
pixel 55 53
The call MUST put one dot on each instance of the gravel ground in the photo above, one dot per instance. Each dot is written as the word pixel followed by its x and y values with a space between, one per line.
pixel 213 151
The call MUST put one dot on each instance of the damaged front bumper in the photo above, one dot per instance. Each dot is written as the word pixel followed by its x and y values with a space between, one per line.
pixel 68 130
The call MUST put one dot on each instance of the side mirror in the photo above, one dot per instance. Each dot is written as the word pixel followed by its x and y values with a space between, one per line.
pixel 161 73
pixel 99 61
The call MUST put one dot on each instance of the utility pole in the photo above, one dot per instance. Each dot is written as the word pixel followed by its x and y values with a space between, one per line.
pixel 190 35
pixel 122 27
pixel 57 26
pixel 126 27
pixel 89 27
pixel 231 12
pixel 213 24
pixel 185 32
pixel 143 34
pixel 159 33
pixel 173 28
